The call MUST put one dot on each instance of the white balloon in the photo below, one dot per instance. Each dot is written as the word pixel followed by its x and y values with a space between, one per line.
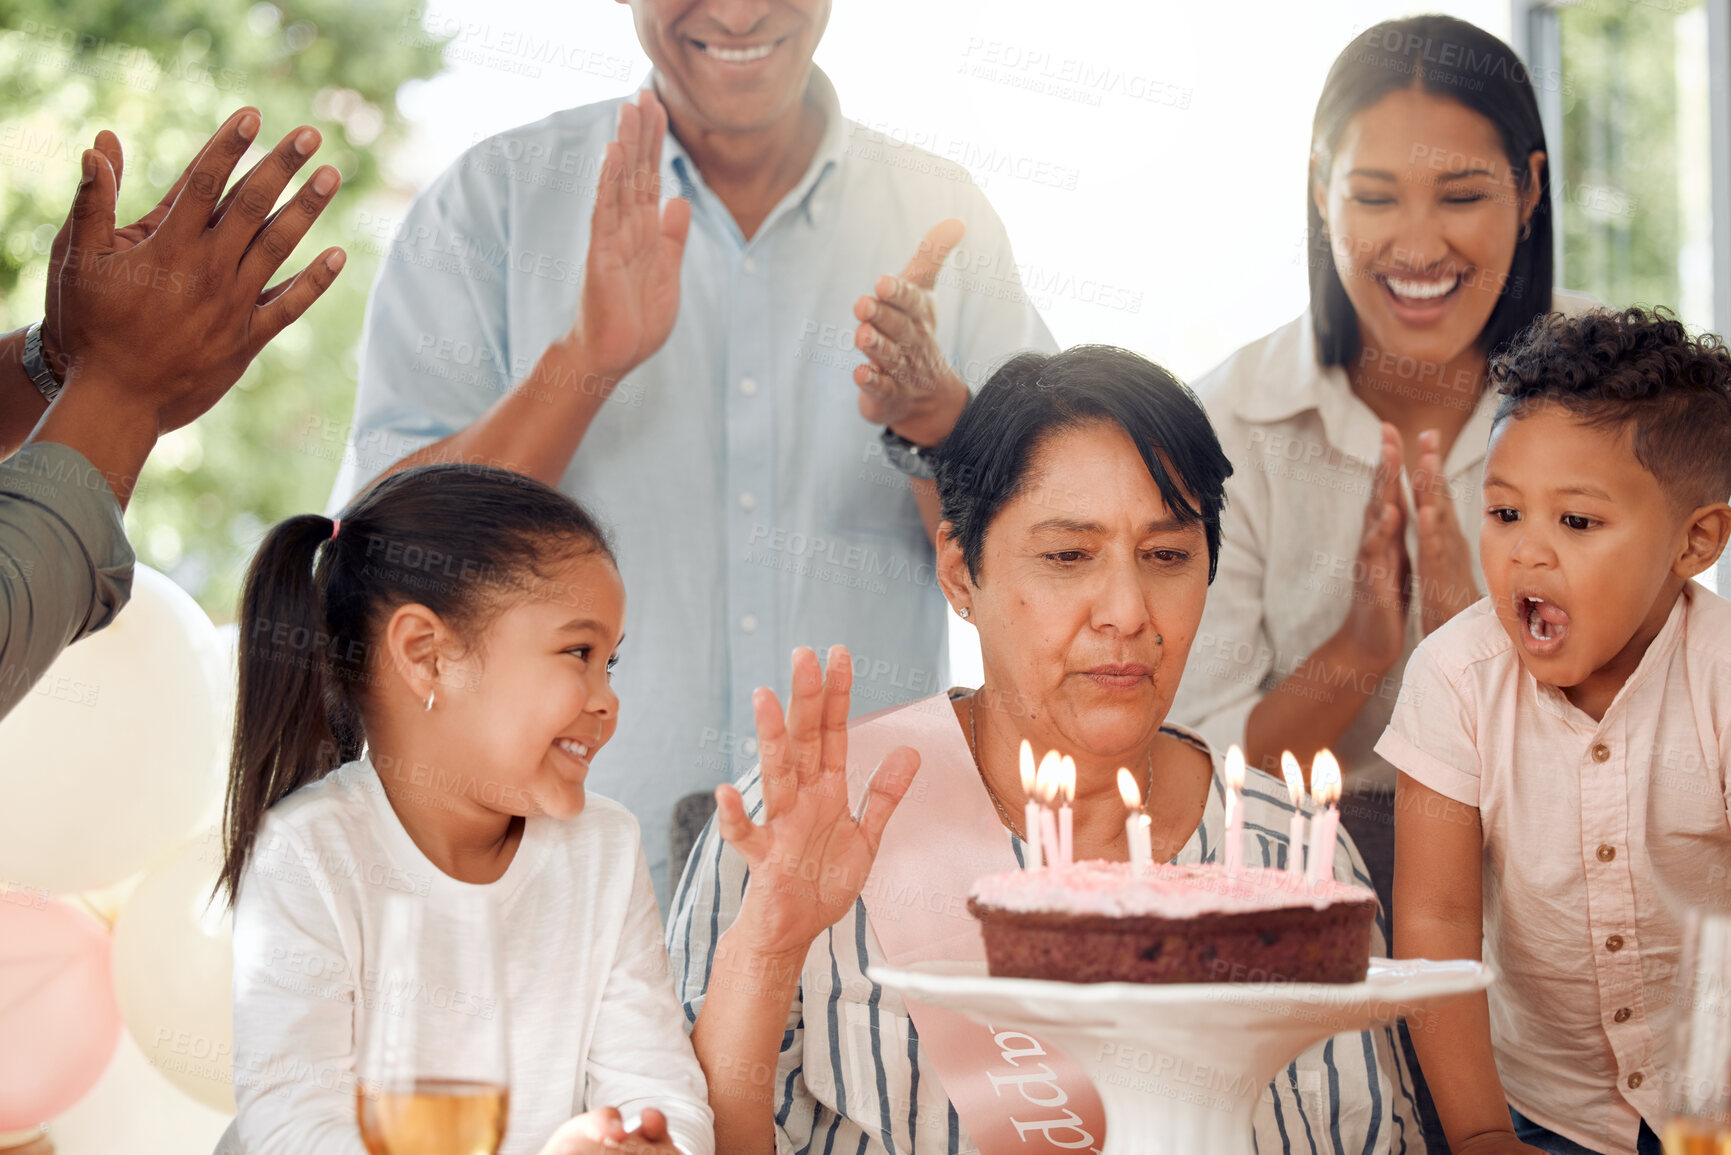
pixel 113 756
pixel 173 972
pixel 134 1110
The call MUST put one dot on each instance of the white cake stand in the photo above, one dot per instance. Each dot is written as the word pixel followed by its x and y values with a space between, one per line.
pixel 1181 1067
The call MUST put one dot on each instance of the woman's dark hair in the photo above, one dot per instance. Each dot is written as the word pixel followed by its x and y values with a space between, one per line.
pixel 461 540
pixel 1444 57
pixel 1033 396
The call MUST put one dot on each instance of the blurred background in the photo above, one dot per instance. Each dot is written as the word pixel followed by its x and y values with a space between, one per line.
pixel 1148 161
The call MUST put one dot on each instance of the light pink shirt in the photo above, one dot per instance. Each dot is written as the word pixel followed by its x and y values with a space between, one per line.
pixel 1597 838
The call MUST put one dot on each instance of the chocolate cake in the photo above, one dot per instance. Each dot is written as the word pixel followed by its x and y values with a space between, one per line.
pixel 1097 922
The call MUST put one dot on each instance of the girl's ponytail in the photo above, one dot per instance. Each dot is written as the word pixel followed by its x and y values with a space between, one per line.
pixel 450 537
pixel 289 727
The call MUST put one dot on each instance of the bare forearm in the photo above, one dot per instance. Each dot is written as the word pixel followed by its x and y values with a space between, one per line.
pixel 1311 707
pixel 737 1038
pixel 534 429
pixel 97 418
pixel 1454 1043
pixel 21 403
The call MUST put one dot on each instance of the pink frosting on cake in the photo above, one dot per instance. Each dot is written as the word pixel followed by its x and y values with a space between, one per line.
pixel 1167 891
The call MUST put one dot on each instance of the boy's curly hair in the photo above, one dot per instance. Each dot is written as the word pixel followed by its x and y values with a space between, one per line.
pixel 1638 368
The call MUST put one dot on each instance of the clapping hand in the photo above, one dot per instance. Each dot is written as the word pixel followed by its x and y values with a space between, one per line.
pixel 631 280
pixel 907 384
pixel 1376 621
pixel 810 856
pixel 1445 560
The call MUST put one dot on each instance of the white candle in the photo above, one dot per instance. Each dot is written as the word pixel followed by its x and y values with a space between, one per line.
pixel 1066 821
pixel 1294 775
pixel 1136 824
pixel 1324 791
pixel 1234 851
pixel 1046 786
pixel 1030 811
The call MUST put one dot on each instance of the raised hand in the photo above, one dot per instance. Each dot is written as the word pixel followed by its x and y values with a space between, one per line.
pixel 631 281
pixel 1376 622
pixel 907 384
pixel 173 308
pixel 1445 561
pixel 809 857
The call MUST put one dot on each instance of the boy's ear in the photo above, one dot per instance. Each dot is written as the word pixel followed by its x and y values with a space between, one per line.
pixel 1704 538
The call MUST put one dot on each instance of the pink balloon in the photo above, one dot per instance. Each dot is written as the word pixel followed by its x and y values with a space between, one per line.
pixel 59 1020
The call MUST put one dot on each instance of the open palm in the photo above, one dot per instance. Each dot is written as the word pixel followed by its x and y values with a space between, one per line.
pixel 631 280
pixel 810 856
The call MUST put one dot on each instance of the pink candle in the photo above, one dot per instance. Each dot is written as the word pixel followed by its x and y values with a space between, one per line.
pixel 1234 850
pixel 1066 821
pixel 1289 769
pixel 1136 824
pixel 1046 786
pixel 1030 811
pixel 1325 792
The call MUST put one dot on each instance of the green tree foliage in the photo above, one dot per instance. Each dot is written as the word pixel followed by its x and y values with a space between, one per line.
pixel 162 74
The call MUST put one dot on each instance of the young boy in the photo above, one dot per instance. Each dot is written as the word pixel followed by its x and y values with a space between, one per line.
pixel 1563 743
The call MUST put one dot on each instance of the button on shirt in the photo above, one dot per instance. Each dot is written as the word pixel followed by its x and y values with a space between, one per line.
pixel 1304 449
pixel 1598 836
pixel 751 506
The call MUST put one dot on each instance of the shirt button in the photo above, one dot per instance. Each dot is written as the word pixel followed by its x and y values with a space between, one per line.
pixel 749 265
pixel 748 386
pixel 1601 752
pixel 749 501
pixel 1622 1015
pixel 748 623
pixel 1635 1081
pixel 1614 943
pixel 1606 850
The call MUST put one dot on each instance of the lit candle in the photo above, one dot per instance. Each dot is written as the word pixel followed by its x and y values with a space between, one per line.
pixel 1066 821
pixel 1234 811
pixel 1294 776
pixel 1324 791
pixel 1046 786
pixel 1030 810
pixel 1136 824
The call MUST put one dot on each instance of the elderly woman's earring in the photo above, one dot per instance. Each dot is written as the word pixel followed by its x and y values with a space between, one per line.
pixel 963 612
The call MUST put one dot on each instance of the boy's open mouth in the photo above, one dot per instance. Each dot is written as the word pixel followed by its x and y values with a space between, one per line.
pixel 1547 623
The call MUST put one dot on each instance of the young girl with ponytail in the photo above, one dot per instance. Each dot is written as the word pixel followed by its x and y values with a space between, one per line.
pixel 423 682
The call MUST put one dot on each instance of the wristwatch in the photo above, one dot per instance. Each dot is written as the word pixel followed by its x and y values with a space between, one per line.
pixel 38 368
pixel 913 460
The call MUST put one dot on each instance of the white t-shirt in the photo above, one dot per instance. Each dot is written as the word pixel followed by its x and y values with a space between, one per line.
pixel 592 1017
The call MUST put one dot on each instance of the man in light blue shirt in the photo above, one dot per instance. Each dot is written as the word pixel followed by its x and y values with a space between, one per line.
pixel 710 402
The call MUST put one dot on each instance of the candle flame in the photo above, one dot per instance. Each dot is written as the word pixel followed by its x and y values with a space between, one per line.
pixel 1294 775
pixel 1046 778
pixel 1325 779
pixel 1127 790
pixel 1234 768
pixel 1066 779
pixel 1027 768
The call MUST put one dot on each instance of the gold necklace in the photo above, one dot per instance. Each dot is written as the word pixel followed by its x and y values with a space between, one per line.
pixel 980 766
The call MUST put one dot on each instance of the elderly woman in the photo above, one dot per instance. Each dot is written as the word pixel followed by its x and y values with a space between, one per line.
pixel 1081 498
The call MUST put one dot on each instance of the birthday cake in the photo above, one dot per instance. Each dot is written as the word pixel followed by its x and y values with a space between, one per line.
pixel 1094 922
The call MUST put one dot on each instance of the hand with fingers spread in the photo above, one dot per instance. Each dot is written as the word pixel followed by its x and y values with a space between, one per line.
pixel 809 858
pixel 156 321
pixel 1447 575
pixel 631 280
pixel 1376 621
pixel 907 383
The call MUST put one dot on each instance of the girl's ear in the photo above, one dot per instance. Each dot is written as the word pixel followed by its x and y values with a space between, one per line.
pixel 1704 539
pixel 414 640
